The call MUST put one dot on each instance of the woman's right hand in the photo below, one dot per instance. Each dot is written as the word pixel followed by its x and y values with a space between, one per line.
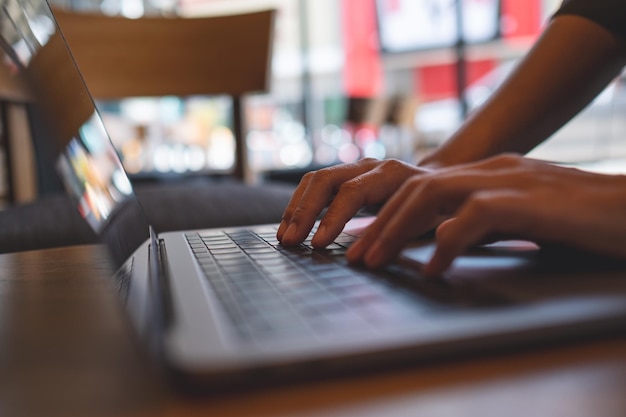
pixel 345 189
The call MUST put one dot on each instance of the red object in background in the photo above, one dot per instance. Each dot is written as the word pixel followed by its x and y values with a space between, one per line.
pixel 521 19
pixel 437 82
pixel 521 22
pixel 363 75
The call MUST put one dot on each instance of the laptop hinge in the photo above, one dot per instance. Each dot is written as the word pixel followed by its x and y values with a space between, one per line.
pixel 162 310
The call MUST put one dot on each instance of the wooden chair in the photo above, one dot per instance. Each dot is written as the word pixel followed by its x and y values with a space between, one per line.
pixel 156 56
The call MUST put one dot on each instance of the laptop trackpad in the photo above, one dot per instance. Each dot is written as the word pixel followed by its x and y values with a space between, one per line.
pixel 520 271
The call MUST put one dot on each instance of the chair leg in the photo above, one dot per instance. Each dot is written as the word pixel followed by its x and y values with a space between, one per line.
pixel 242 170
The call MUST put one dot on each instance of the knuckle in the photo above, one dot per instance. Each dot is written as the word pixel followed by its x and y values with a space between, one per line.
pixel 287 214
pixel 510 159
pixel 480 201
pixel 392 165
pixel 353 186
pixel 319 177
pixel 368 161
pixel 411 184
pixel 332 218
pixel 486 205
pixel 305 180
pixel 350 196
pixel 301 211
pixel 430 185
pixel 307 177
pixel 415 180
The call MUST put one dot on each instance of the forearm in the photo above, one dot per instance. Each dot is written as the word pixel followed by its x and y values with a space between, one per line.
pixel 569 65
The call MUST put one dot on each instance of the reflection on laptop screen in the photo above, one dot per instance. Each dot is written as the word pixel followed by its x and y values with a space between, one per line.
pixel 39 71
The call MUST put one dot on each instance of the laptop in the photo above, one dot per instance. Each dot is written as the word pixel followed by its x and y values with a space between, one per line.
pixel 232 307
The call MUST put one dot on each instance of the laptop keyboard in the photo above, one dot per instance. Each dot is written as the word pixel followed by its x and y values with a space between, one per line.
pixel 268 290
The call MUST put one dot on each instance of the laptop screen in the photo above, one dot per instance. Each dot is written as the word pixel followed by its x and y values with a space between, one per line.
pixel 38 71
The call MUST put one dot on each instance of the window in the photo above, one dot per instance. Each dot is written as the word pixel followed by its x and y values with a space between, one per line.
pixel 352 78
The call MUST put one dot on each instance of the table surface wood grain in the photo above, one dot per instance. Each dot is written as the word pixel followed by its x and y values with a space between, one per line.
pixel 67 349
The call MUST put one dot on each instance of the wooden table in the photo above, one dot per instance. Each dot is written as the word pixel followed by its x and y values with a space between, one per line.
pixel 66 350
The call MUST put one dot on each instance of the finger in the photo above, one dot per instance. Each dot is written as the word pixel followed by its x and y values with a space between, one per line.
pixel 357 251
pixel 494 163
pixel 418 206
pixel 291 206
pixel 400 222
pixel 303 210
pixel 485 214
pixel 372 187
pixel 489 239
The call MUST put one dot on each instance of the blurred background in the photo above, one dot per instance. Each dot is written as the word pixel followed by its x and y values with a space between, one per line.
pixel 350 78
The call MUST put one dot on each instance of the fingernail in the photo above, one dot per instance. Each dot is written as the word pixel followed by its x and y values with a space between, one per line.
pixel 319 235
pixel 374 255
pixel 281 229
pixel 428 269
pixel 353 253
pixel 290 233
pixel 436 265
pixel 431 270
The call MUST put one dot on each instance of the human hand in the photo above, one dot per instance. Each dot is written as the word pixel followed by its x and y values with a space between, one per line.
pixel 350 187
pixel 504 196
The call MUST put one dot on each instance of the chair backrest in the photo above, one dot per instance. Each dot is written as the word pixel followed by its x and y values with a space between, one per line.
pixel 157 56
